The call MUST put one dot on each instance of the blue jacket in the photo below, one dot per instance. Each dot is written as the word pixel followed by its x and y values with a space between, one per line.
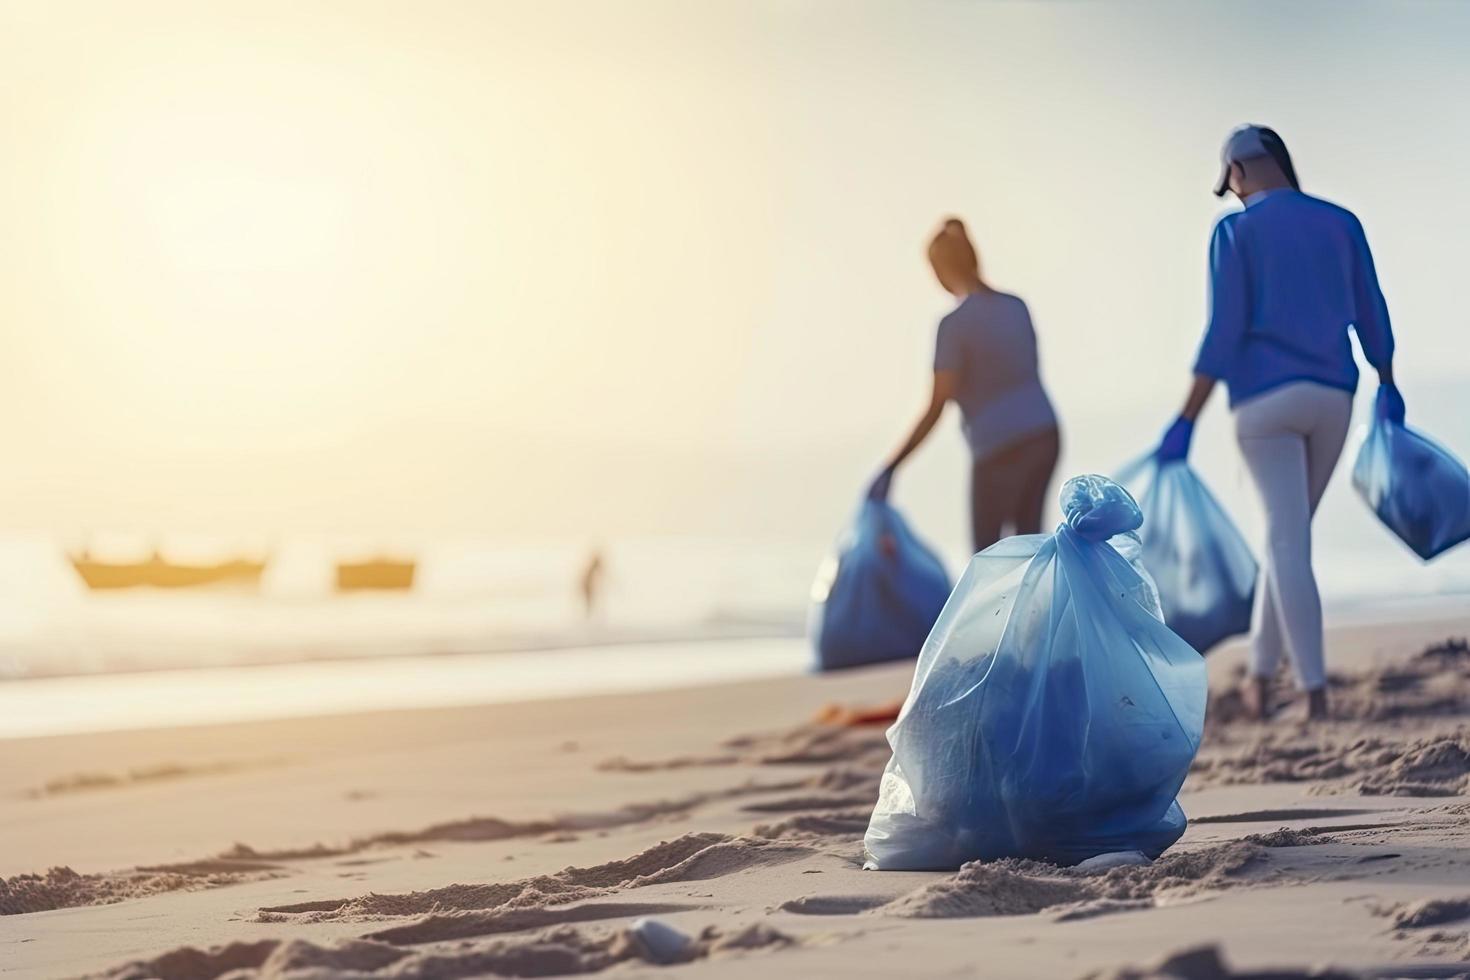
pixel 1288 276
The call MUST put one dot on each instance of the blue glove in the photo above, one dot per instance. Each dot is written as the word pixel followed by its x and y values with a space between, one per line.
pixel 878 489
pixel 1175 444
pixel 1389 404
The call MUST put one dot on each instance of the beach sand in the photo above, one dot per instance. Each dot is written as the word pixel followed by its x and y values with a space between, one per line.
pixel 524 839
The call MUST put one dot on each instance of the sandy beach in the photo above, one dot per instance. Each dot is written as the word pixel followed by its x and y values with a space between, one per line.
pixel 523 839
pixel 471 464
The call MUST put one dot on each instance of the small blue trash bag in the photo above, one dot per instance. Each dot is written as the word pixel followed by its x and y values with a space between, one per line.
pixel 873 601
pixel 1418 489
pixel 1053 715
pixel 1203 567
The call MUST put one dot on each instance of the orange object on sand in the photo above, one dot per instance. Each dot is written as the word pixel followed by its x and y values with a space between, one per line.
pixel 847 716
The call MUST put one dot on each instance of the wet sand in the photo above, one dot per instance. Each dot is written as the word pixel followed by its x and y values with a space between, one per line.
pixel 525 839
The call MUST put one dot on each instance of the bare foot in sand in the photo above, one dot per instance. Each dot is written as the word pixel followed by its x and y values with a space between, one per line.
pixel 1257 696
pixel 1317 704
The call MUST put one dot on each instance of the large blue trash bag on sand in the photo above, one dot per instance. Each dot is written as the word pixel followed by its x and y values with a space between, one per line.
pixel 1053 715
pixel 877 596
pixel 1203 567
pixel 1418 488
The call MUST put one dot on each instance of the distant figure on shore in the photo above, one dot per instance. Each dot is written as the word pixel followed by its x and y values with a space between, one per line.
pixel 590 582
pixel 985 360
pixel 1288 276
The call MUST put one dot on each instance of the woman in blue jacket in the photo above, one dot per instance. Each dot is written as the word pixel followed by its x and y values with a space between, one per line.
pixel 985 360
pixel 1289 275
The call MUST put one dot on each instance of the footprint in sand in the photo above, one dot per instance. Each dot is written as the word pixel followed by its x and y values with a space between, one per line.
pixel 834 904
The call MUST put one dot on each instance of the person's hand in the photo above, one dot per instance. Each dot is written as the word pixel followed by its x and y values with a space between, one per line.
pixel 1175 444
pixel 878 489
pixel 1389 405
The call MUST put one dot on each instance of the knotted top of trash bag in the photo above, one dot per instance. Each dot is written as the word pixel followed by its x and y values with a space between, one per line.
pixel 1097 508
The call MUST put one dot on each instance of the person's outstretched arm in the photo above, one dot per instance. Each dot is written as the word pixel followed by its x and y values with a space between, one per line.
pixel 1229 303
pixel 939 396
pixel 1229 318
pixel 1199 394
pixel 1371 324
pixel 1370 315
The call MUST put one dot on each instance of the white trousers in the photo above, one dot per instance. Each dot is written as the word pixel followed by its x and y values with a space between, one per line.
pixel 1291 438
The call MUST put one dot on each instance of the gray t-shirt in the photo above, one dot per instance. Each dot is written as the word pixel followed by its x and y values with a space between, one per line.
pixel 989 343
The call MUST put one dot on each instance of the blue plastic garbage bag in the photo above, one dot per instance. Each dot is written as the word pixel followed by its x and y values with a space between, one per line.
pixel 1053 715
pixel 1202 565
pixel 877 597
pixel 1418 489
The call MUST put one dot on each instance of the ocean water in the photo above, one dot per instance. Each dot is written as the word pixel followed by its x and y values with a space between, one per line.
pixel 480 600
pixel 484 625
pixel 475 597
pixel 467 598
pixel 481 625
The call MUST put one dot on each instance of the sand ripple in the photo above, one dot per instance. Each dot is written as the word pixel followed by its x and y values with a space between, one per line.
pixel 563 951
pixel 61 888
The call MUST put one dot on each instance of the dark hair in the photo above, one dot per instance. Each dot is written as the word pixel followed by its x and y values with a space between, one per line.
pixel 951 248
pixel 1277 148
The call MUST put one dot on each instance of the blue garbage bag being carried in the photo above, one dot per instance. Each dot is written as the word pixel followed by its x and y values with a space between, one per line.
pixel 1418 489
pixel 1202 565
pixel 877 597
pixel 1053 715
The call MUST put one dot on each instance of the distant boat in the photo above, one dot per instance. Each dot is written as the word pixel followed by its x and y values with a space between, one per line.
pixel 159 573
pixel 392 574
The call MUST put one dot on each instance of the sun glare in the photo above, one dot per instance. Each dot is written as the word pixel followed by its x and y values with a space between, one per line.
pixel 214 220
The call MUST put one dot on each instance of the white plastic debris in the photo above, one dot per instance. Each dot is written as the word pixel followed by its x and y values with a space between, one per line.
pixel 659 942
pixel 1114 859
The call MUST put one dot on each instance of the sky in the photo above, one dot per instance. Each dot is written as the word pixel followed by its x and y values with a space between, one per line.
pixel 539 270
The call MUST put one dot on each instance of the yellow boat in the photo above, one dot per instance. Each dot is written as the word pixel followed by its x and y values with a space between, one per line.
pixel 391 574
pixel 159 573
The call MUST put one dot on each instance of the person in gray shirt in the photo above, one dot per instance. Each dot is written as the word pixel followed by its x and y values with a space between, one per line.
pixel 985 361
